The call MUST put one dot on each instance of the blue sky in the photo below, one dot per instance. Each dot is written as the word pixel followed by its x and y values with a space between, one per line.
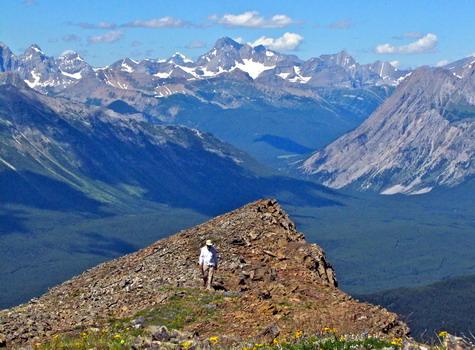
pixel 412 32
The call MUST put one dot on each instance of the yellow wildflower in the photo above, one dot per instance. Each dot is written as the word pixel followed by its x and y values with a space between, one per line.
pixel 84 334
pixel 122 341
pixel 117 336
pixel 443 334
pixel 298 334
pixel 258 345
pixel 214 340
pixel 186 344
pixel 329 330
pixel 397 342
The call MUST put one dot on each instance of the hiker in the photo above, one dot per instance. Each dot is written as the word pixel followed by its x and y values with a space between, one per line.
pixel 208 263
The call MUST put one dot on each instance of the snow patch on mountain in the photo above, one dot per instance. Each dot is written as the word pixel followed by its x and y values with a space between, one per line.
pixel 163 75
pixel 36 80
pixel 76 76
pixel 299 78
pixel 126 68
pixel 253 68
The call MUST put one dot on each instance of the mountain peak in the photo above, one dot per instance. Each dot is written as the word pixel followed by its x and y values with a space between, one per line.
pixel 264 261
pixel 227 42
pixel 68 54
pixel 34 48
pixel 180 59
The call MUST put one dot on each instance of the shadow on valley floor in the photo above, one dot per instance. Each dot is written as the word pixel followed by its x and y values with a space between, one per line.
pixel 283 143
pixel 104 246
pixel 42 192
pixel 287 190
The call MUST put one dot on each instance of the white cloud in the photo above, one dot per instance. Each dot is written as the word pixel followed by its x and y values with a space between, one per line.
pixel 288 41
pixel 442 63
pixel 426 43
pixel 252 19
pixel 100 25
pixel 395 63
pixel 108 37
pixel 163 22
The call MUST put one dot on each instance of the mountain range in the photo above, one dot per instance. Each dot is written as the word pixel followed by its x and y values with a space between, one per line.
pixel 234 91
pixel 100 156
pixel 227 59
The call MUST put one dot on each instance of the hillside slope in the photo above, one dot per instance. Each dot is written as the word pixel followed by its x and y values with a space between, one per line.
pixel 275 275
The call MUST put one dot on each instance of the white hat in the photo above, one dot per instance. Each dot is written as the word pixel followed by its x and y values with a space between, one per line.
pixel 208 242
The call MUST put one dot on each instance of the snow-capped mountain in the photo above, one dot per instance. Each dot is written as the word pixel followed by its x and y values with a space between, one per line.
pixel 421 137
pixel 44 73
pixel 227 59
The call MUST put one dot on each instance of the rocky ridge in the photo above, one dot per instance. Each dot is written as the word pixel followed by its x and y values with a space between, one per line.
pixel 276 277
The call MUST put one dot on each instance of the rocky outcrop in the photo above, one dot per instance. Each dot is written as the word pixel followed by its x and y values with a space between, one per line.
pixel 277 277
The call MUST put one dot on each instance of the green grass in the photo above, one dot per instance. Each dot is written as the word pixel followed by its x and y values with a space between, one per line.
pixel 185 307
pixel 112 337
pixel 333 343
pixel 122 338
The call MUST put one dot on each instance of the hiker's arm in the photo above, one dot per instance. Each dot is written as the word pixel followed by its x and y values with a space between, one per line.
pixel 201 260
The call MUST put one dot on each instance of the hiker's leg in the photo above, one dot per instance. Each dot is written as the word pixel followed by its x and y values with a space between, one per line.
pixel 205 272
pixel 210 276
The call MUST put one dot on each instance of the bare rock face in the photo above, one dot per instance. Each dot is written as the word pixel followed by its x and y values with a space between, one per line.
pixel 279 280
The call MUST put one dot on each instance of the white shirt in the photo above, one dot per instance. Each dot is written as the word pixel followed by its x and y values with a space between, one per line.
pixel 209 256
